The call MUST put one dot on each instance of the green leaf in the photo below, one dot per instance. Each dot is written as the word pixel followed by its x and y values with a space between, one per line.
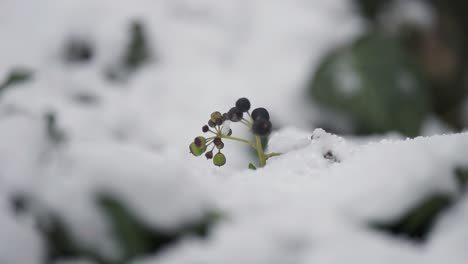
pixel 14 77
pixel 374 84
pixel 137 238
pixel 461 176
pixel 417 222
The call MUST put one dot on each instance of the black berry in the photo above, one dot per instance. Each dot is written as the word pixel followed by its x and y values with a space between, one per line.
pixel 243 104
pixel 199 141
pixel 211 123
pixel 261 126
pixel 217 141
pixel 260 113
pixel 205 128
pixel 225 117
pixel 235 115
pixel 209 154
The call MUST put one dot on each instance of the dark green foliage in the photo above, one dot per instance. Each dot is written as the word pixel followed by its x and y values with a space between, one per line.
pixel 374 83
pixel 54 133
pixel 461 176
pixel 137 239
pixel 60 243
pixel 370 9
pixel 138 52
pixel 16 76
pixel 417 223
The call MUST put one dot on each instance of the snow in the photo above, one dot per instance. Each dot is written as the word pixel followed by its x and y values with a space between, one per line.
pixel 302 208
pixel 130 139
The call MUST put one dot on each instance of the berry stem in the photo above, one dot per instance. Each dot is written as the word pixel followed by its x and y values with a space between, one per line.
pixel 272 154
pixel 246 123
pixel 239 139
pixel 259 148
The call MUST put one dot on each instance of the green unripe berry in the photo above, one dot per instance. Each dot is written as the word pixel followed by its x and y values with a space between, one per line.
pixel 219 159
pixel 197 151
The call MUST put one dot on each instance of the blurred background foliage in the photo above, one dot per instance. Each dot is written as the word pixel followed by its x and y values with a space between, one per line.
pixel 397 75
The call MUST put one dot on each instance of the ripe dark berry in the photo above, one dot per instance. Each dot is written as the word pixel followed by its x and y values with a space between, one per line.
pixel 199 141
pixel 229 132
pixel 220 145
pixel 260 113
pixel 211 123
pixel 209 154
pixel 261 126
pixel 219 121
pixel 217 141
pixel 205 128
pixel 235 115
pixel 243 104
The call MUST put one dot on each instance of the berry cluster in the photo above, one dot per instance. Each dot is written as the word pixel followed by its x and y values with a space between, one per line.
pixel 258 122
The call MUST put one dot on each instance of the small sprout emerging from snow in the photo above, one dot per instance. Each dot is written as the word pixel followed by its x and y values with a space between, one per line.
pixel 219 125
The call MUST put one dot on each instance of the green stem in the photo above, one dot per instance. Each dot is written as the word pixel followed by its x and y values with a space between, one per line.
pixel 272 154
pixel 238 139
pixel 261 155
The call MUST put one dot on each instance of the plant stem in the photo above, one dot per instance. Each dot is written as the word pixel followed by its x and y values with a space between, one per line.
pixel 259 147
pixel 239 139
pixel 262 157
pixel 272 154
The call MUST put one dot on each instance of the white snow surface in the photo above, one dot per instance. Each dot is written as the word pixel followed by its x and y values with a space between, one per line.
pixel 132 142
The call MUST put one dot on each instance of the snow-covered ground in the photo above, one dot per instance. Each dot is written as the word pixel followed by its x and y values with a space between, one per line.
pixel 132 139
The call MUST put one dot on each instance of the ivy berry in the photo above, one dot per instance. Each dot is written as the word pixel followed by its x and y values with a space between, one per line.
pixel 218 124
pixel 260 113
pixel 243 104
pixel 261 127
